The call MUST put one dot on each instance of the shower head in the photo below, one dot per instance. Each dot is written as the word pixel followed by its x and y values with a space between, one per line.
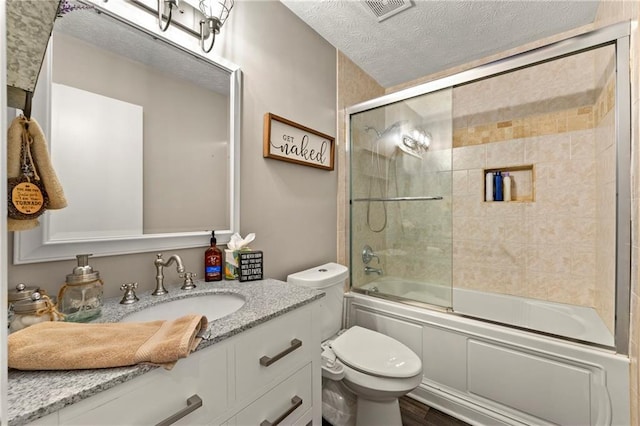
pixel 401 135
pixel 415 142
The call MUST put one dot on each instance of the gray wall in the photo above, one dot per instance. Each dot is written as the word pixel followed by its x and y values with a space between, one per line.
pixel 288 70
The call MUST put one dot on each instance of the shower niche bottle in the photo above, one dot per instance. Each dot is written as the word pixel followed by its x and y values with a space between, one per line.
pixel 213 261
pixel 506 187
pixel 488 186
pixel 497 186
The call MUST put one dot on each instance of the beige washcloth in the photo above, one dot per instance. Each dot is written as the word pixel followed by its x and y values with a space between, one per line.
pixel 40 154
pixel 72 346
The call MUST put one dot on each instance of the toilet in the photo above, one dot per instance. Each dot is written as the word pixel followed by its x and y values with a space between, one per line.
pixel 376 368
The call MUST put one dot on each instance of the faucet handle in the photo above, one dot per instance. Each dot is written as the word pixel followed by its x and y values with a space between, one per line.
pixel 368 254
pixel 129 296
pixel 188 280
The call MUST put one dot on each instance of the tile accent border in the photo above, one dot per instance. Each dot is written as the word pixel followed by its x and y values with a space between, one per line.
pixel 568 120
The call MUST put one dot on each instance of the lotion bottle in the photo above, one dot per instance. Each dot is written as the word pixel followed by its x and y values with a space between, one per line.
pixel 506 186
pixel 213 261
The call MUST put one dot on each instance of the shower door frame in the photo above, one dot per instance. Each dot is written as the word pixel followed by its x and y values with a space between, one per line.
pixel 617 35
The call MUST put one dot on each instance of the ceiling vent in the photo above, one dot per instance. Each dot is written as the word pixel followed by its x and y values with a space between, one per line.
pixel 384 9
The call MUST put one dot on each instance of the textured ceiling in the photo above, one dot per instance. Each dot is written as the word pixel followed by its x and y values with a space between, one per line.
pixel 435 35
pixel 114 36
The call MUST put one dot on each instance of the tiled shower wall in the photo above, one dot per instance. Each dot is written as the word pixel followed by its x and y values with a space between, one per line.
pixel 544 249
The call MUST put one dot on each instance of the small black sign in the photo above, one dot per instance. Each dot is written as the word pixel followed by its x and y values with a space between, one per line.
pixel 250 265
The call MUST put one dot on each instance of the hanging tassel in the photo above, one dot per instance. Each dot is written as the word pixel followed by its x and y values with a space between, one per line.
pixel 33 185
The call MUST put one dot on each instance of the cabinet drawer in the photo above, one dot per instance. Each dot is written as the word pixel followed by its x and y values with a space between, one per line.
pixel 273 350
pixel 286 402
pixel 158 394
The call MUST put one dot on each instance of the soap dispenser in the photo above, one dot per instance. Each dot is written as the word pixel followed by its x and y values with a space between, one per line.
pixel 213 261
pixel 80 298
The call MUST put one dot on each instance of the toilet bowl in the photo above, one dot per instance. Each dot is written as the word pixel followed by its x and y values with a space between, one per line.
pixel 376 368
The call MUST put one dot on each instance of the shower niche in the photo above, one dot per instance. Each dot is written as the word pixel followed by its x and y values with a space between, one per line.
pixel 521 184
pixel 555 123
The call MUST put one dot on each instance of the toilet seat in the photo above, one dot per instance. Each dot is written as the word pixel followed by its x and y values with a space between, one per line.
pixel 375 353
pixel 378 388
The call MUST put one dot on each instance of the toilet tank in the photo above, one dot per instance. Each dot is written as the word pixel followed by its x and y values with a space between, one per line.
pixel 330 278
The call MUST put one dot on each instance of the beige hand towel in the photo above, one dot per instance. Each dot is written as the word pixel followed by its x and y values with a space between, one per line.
pixel 40 154
pixel 72 346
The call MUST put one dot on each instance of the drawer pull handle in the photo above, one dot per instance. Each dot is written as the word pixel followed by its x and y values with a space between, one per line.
pixel 193 403
pixel 296 401
pixel 267 361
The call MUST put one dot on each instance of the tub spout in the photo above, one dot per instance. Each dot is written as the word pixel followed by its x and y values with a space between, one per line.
pixel 370 270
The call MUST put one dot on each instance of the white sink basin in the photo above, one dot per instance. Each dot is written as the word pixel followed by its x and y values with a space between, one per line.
pixel 213 306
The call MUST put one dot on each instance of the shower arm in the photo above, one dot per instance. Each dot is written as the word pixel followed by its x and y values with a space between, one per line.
pixel 367 128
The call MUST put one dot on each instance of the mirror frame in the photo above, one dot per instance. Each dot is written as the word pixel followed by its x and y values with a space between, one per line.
pixel 31 246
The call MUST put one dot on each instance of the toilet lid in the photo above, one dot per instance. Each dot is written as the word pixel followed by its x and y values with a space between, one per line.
pixel 375 353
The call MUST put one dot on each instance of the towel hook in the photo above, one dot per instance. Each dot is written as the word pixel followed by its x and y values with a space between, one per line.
pixel 27 105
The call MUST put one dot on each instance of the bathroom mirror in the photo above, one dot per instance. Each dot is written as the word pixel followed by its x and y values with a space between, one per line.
pixel 143 135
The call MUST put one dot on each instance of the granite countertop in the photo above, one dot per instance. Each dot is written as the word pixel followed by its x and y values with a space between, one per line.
pixel 35 394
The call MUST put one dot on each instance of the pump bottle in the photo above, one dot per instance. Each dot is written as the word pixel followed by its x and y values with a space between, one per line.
pixel 213 261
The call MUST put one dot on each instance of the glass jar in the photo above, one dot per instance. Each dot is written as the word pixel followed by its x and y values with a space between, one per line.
pixel 37 308
pixel 80 299
pixel 21 292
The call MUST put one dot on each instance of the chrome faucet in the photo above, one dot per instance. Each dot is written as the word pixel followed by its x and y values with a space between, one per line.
pixel 160 263
pixel 370 270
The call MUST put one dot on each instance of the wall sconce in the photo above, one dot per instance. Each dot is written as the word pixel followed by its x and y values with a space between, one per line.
pixel 215 13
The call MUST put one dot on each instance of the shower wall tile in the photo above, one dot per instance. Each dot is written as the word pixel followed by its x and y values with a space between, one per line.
pixel 552 148
pixel 354 86
pixel 460 182
pixel 501 153
pixel 540 124
pixel 470 157
pixel 582 145
pixel 566 288
pixel 432 161
pixel 526 92
pixel 464 205
pixel 550 258
pixel 545 247
pixel 583 261
pixel 537 285
pixel 476 183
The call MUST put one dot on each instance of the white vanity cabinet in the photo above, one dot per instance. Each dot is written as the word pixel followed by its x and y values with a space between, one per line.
pixel 266 375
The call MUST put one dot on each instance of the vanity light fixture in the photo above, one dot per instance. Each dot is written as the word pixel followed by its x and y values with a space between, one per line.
pixel 171 4
pixel 215 14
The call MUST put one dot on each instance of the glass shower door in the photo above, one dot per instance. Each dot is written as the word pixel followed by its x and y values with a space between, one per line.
pixel 400 199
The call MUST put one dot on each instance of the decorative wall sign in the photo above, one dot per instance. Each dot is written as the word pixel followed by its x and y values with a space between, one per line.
pixel 250 265
pixel 288 141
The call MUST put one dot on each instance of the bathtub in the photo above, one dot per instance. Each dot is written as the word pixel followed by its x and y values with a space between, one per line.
pixel 574 322
pixel 486 373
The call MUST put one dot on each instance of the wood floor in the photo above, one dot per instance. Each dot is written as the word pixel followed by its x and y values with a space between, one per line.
pixel 416 414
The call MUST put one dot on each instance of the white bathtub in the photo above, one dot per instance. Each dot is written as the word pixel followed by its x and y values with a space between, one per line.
pixel 574 322
pixel 489 374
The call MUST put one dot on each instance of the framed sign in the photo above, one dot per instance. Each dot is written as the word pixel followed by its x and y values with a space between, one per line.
pixel 288 141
